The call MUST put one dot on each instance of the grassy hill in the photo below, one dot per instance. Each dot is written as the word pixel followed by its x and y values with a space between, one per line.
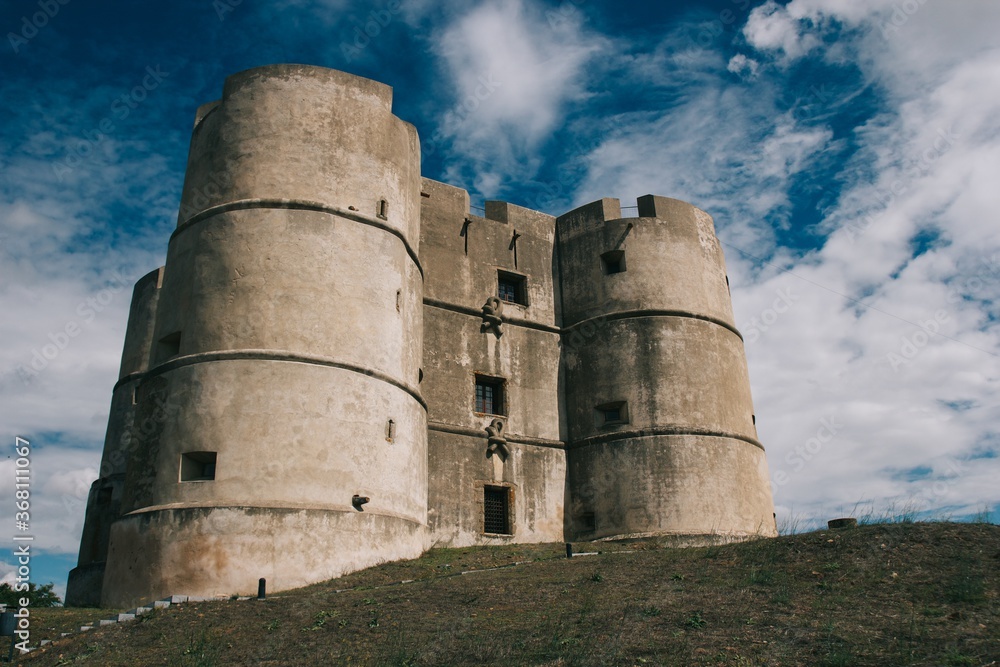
pixel 891 594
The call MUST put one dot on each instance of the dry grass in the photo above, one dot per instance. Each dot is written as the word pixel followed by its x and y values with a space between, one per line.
pixel 897 594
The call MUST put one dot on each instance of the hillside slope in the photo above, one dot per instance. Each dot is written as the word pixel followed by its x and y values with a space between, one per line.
pixel 892 594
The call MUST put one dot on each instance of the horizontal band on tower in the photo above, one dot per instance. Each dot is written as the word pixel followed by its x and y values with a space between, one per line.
pixel 297 205
pixel 651 312
pixel 658 431
pixel 274 355
pixel 478 314
pixel 442 427
pixel 610 317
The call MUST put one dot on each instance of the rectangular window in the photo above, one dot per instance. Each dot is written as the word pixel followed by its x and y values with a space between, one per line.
pixel 512 288
pixel 613 262
pixel 496 510
pixel 169 346
pixel 198 466
pixel 610 414
pixel 490 395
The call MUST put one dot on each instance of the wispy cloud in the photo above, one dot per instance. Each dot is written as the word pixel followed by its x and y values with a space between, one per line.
pixel 513 69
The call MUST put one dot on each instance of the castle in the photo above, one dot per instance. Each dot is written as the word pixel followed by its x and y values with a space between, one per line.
pixel 341 365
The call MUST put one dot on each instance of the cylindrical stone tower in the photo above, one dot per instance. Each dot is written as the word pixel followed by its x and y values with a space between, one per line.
pixel 661 435
pixel 104 500
pixel 286 350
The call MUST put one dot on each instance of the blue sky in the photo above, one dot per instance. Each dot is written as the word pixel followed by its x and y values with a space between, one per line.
pixel 849 153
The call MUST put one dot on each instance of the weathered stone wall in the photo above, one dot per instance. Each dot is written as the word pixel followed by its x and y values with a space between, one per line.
pixel 288 335
pixel 462 254
pixel 655 341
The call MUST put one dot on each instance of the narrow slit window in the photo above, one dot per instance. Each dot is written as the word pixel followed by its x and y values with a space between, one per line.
pixel 383 209
pixel 490 395
pixel 512 288
pixel 496 510
pixel 198 466
pixel 613 262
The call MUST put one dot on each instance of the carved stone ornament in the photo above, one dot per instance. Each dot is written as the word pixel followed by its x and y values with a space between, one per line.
pixel 496 443
pixel 492 316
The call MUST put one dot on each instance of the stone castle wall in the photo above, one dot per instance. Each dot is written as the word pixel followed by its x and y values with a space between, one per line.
pixel 298 394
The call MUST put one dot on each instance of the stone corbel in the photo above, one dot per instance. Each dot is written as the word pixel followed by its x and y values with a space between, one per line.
pixel 496 443
pixel 492 316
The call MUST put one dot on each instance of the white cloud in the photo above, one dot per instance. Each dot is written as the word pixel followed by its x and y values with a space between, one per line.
pixel 513 68
pixel 742 66
pixel 775 28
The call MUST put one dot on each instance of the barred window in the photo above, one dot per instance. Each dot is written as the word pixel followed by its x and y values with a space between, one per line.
pixel 496 510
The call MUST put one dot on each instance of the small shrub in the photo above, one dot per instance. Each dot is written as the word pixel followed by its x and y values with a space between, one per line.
pixel 695 621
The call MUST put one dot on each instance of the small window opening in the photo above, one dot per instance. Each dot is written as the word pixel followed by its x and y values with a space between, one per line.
pixel 611 413
pixel 383 209
pixel 512 288
pixel 399 300
pixel 490 395
pixel 753 418
pixel 390 431
pixel 169 346
pixel 496 510
pixel 135 395
pixel 588 522
pixel 613 262
pixel 198 466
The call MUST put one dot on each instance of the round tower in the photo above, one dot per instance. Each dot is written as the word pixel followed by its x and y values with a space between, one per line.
pixel 104 499
pixel 661 431
pixel 287 345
